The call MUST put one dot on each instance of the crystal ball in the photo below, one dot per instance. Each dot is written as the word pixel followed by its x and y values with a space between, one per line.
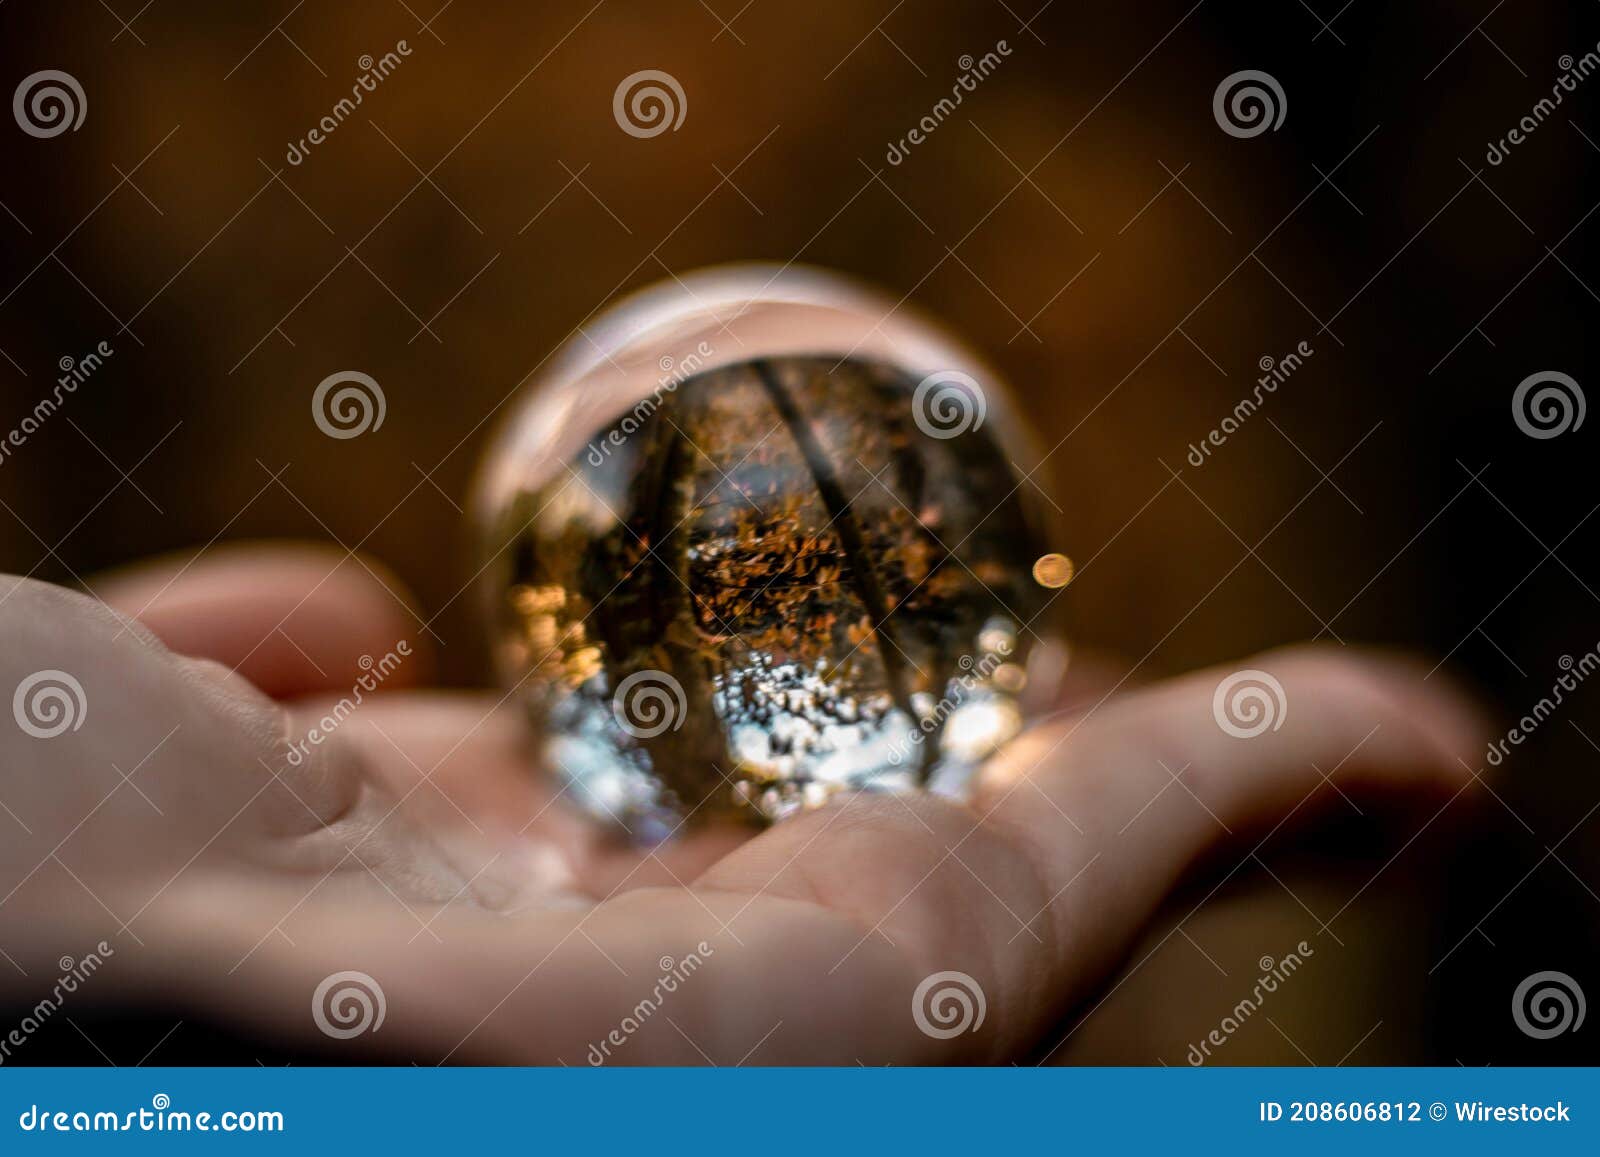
pixel 757 536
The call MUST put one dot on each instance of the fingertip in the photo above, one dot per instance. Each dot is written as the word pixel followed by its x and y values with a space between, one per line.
pixel 294 618
pixel 1392 688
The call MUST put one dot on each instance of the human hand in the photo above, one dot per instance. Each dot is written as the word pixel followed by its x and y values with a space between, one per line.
pixel 418 845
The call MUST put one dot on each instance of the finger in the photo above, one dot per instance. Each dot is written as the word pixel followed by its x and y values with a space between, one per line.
pixel 152 757
pixel 295 619
pixel 128 767
pixel 1158 781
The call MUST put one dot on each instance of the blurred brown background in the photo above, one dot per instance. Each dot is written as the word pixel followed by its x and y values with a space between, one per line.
pixel 1081 218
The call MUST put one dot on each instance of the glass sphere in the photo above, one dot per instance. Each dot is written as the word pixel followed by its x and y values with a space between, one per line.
pixel 755 537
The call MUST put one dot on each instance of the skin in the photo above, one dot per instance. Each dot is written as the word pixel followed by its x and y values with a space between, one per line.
pixel 417 845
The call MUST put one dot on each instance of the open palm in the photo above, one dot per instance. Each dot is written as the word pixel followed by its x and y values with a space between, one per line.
pixel 418 845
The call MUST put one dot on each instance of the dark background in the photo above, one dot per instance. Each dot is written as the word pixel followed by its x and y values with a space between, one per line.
pixel 1428 283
